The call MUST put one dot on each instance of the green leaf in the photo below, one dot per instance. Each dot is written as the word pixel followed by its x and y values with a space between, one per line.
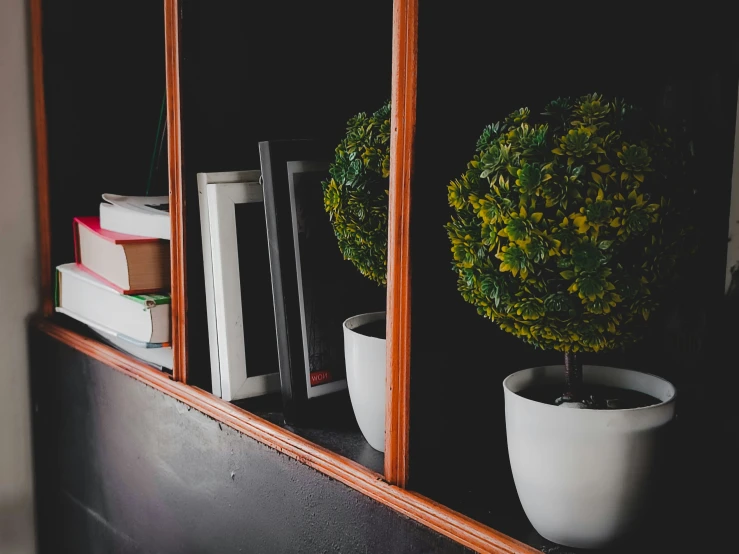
pixel 605 244
pixel 567 274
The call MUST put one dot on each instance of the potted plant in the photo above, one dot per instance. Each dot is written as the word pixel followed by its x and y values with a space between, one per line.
pixel 566 231
pixel 356 199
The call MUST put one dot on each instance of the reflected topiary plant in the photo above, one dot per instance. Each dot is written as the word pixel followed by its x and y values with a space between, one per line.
pixel 356 195
pixel 567 226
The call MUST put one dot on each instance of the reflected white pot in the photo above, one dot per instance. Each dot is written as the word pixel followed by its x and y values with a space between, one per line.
pixel 365 376
pixel 583 476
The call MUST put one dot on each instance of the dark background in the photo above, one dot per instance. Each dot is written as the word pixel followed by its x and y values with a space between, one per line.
pixel 477 63
pixel 255 71
pixel 105 84
pixel 260 349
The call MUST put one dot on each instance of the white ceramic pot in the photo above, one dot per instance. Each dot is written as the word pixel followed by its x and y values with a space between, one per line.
pixel 365 376
pixel 583 476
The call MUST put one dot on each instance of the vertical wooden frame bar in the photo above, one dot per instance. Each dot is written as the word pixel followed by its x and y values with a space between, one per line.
pixel 403 122
pixel 176 190
pixel 42 158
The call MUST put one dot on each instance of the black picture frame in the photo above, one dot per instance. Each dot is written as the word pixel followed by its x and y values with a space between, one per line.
pixel 314 288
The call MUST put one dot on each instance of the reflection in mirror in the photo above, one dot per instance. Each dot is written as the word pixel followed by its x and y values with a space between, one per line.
pixel 281 71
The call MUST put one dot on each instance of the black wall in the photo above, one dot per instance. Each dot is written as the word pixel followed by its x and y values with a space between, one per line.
pixel 104 86
pixel 122 467
pixel 254 71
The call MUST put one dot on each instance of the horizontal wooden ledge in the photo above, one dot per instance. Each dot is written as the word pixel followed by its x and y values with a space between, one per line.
pixel 452 524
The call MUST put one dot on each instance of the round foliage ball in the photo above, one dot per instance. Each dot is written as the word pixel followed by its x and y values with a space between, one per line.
pixel 567 225
pixel 356 195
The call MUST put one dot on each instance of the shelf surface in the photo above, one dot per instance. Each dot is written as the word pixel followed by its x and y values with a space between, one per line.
pixel 335 428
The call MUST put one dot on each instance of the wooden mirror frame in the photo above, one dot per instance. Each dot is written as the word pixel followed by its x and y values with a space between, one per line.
pixel 388 489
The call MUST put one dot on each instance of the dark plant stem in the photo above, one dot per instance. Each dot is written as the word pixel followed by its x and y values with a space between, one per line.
pixel 573 375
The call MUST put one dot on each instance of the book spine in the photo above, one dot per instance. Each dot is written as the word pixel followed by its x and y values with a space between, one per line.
pixel 119 290
pixel 56 287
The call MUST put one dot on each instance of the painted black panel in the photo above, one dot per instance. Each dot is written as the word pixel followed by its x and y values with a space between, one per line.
pixel 125 468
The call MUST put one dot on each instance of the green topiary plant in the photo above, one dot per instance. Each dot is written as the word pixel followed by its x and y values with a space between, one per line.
pixel 567 228
pixel 356 195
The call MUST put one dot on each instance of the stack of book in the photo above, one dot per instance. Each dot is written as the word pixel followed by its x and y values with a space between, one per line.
pixel 119 283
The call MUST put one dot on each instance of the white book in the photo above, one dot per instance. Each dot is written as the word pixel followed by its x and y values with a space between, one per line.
pixel 142 317
pixel 145 216
pixel 160 356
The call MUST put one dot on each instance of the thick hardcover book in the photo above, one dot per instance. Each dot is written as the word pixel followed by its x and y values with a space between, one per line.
pixel 314 288
pixel 142 318
pixel 128 263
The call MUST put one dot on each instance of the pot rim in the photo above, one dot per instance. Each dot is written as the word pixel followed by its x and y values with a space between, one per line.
pixel 369 318
pixel 666 402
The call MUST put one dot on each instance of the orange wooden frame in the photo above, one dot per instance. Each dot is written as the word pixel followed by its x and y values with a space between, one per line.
pixel 42 159
pixel 177 196
pixel 389 491
pixel 403 127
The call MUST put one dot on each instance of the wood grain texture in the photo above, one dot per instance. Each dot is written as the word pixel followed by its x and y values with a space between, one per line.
pixel 419 508
pixel 176 191
pixel 42 159
pixel 397 417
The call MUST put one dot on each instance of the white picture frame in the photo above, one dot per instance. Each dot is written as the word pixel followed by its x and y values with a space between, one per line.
pixel 218 195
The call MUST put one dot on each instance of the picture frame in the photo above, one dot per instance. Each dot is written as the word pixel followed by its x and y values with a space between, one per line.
pixel 239 305
pixel 314 288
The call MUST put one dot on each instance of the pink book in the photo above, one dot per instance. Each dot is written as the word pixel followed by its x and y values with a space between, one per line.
pixel 152 252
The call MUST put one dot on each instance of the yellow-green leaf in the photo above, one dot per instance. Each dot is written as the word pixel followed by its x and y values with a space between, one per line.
pixel 581 223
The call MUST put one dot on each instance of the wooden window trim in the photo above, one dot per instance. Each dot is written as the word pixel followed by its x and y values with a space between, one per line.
pixel 42 160
pixel 403 127
pixel 177 197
